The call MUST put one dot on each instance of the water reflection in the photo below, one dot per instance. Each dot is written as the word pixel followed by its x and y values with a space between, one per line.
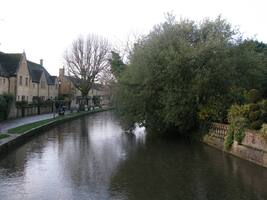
pixel 93 158
pixel 167 170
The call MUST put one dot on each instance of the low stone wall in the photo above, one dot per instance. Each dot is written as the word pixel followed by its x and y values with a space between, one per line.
pixel 18 112
pixel 253 147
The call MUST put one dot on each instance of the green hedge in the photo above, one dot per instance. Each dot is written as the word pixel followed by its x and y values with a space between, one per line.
pixel 5 105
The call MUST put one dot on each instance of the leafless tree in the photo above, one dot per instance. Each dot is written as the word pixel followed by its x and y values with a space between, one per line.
pixel 87 61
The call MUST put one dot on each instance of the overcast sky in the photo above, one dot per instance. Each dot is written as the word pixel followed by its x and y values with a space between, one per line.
pixel 45 28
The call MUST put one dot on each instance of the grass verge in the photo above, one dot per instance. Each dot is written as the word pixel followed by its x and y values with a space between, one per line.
pixel 2 136
pixel 26 127
pixel 23 128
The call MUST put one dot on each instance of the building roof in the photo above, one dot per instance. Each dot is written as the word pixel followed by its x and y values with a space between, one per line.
pixel 9 63
pixel 53 79
pixel 36 71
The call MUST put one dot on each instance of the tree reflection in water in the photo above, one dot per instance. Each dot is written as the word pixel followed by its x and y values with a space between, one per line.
pixel 93 158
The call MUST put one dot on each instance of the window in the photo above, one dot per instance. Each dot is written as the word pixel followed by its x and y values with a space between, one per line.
pixel 23 98
pixel 26 81
pixel 18 98
pixel 20 80
pixel 33 85
pixel 4 80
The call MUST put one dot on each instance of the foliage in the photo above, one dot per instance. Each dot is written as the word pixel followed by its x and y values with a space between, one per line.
pixel 254 107
pixel 183 72
pixel 256 125
pixel 239 125
pixel 252 96
pixel 239 135
pixel 116 63
pixel 2 136
pixel 254 116
pixel 263 131
pixel 263 107
pixel 237 112
pixel 21 104
pixel 236 131
pixel 238 119
pixel 5 104
pixel 96 101
pixel 229 140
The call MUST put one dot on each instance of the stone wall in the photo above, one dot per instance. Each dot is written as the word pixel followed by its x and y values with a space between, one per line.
pixel 253 147
pixel 16 112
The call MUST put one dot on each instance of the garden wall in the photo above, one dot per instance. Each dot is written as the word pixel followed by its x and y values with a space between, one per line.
pixel 17 112
pixel 253 147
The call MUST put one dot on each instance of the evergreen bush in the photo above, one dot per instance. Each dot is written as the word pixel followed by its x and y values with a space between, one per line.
pixel 5 105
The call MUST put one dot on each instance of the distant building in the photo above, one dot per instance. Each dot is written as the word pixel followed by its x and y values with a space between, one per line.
pixel 25 79
pixel 68 89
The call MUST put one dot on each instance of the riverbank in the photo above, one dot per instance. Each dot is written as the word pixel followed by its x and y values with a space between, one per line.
pixel 253 147
pixel 18 135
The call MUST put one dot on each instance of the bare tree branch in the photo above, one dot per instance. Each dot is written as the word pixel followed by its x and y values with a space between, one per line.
pixel 87 61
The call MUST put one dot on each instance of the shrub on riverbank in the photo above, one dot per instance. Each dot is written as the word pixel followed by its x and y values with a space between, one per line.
pixel 251 115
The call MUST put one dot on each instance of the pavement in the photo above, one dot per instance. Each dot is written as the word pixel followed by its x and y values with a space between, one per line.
pixel 8 124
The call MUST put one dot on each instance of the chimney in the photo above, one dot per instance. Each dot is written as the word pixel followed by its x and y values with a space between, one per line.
pixel 41 62
pixel 61 72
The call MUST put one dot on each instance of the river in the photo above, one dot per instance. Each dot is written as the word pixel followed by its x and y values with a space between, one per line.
pixel 92 158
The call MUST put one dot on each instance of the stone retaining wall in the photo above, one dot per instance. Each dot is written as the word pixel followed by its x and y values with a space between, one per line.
pixel 253 147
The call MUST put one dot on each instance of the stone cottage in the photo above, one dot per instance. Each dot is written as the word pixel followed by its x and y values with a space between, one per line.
pixel 68 89
pixel 25 79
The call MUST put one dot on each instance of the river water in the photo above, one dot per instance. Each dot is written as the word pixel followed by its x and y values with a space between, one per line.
pixel 93 158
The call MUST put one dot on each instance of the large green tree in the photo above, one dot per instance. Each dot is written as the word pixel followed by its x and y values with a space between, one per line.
pixel 117 64
pixel 183 72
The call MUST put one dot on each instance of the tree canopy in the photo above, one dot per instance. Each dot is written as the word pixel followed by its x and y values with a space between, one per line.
pixel 183 72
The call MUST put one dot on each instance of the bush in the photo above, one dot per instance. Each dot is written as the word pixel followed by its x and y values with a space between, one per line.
pixel 5 104
pixel 252 96
pixel 263 105
pixel 229 138
pixel 263 131
pixel 239 135
pixel 264 116
pixel 96 101
pixel 256 125
pixel 238 118
pixel 254 116
pixel 237 111
pixel 21 104
pixel 254 107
